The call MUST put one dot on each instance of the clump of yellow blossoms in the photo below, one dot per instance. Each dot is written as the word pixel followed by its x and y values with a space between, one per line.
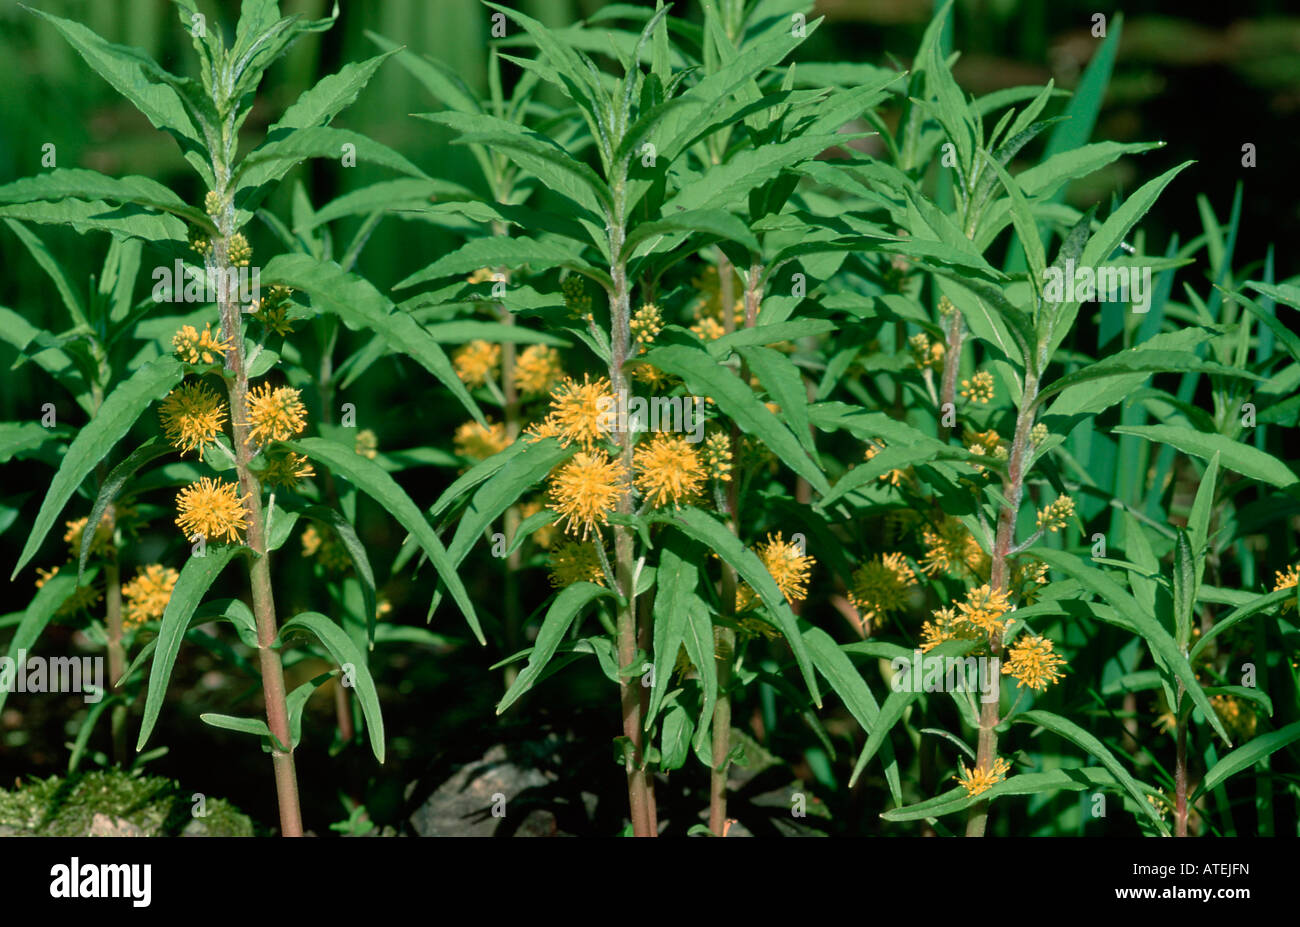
pixel 211 509
pixel 274 414
pixel 1031 662
pixel 981 780
pixel 926 354
pixel 212 203
pixel 192 416
pixel 1056 515
pixel 477 362
pixel 145 598
pixel 950 548
pixel 668 470
pixel 477 442
pixel 979 388
pixel 272 310
pixel 326 546
pixel 881 586
pixel 1038 434
pixel 1286 580
pixel 537 369
pixel 985 608
pixel 99 544
pixel 194 347
pixel 579 412
pixel 576 562
pixel 708 329
pixel 366 444
pixel 585 490
pixel 238 250
pixel 1238 717
pixel 646 323
pixel 789 565
pixel 285 471
pixel 717 456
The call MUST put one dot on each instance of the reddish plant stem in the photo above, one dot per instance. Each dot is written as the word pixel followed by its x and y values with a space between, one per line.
pixel 639 783
pixel 259 568
pixel 1180 770
pixel 951 359
pixel 1013 490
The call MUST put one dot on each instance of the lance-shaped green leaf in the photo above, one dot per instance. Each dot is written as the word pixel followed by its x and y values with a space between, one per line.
pixel 833 663
pixel 715 222
pixel 37 615
pixel 332 94
pixel 81 184
pixel 255 726
pixel 267 164
pixel 1087 778
pixel 356 301
pixel 1246 756
pixel 375 482
pixel 1141 360
pixel 401 195
pixel 297 701
pixel 1162 645
pixel 495 251
pixel 1086 741
pixel 675 595
pixel 1233 455
pixel 1264 603
pixel 144 83
pixel 115 417
pixel 566 607
pixel 445 84
pixel 1107 238
pixel 196 576
pixel 50 264
pixel 353 663
pixel 723 184
pixel 703 376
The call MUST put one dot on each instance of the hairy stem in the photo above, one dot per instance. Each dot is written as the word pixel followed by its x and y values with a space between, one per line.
pixel 639 785
pixel 1013 488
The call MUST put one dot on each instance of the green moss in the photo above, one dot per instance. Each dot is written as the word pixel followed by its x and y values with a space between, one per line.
pixel 155 807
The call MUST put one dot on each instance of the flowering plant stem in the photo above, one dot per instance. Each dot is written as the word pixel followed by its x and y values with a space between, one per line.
pixel 632 694
pixel 1013 488
pixel 259 566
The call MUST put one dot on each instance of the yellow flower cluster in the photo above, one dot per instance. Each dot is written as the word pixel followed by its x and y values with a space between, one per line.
pixel 477 362
pixel 192 416
pixel 579 412
pixel 272 310
pixel 146 596
pixel 366 444
pixel 717 456
pixel 537 369
pixel 981 780
pixel 926 354
pixel 327 547
pixel 881 586
pixel 646 323
pixel 274 414
pixel 576 562
pixel 477 442
pixel 950 548
pixel 979 388
pixel 194 347
pixel 585 490
pixel 99 544
pixel 211 509
pixel 668 470
pixel 1287 580
pixel 286 470
pixel 1056 515
pixel 1031 662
